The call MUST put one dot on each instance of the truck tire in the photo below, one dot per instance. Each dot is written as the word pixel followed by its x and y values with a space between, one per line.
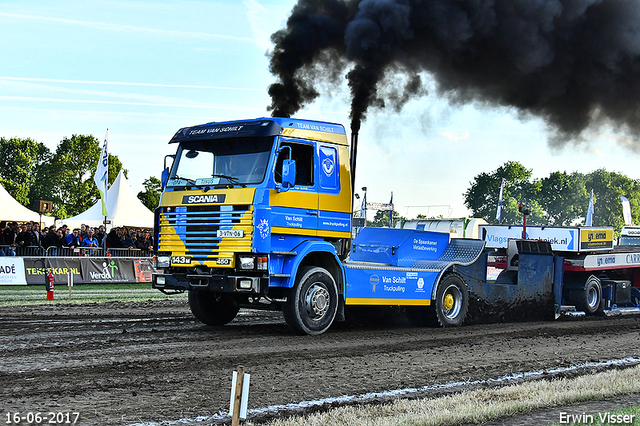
pixel 452 301
pixel 312 303
pixel 213 308
pixel 589 300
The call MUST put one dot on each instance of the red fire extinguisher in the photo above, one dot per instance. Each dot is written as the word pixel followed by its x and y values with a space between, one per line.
pixel 50 280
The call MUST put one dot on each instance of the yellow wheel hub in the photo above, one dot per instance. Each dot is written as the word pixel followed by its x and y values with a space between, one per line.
pixel 448 302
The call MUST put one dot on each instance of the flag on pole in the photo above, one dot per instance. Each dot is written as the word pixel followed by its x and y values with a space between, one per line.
pixel 499 212
pixel 102 174
pixel 363 208
pixel 589 221
pixel 626 211
pixel 391 211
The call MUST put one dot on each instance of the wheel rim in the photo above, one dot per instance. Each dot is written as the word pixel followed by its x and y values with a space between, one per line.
pixel 592 297
pixel 451 302
pixel 317 301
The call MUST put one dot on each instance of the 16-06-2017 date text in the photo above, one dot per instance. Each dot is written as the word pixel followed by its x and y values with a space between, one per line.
pixel 41 418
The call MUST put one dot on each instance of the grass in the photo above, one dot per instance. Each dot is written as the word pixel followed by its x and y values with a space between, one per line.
pixel 479 405
pixel 82 293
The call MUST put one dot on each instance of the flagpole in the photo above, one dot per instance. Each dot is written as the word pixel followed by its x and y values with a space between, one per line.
pixel 101 178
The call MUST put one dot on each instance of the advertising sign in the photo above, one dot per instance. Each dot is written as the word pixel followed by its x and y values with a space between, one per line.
pixel 36 270
pixel 108 270
pixel 12 271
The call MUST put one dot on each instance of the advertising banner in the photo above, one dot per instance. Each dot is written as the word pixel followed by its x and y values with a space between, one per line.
pixel 36 270
pixel 12 271
pixel 108 270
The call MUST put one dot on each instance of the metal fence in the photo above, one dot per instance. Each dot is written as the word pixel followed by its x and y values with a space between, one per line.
pixel 33 251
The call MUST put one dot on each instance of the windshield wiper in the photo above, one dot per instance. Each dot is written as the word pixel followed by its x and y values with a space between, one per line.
pixel 232 179
pixel 189 181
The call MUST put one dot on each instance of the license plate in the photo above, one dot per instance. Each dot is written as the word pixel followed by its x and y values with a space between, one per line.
pixel 230 233
pixel 180 260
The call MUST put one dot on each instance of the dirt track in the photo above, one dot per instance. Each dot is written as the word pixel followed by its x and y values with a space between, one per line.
pixel 122 363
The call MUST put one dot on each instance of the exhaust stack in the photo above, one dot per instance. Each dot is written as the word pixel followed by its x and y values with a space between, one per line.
pixel 354 154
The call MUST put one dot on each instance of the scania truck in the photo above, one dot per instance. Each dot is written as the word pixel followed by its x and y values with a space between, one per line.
pixel 257 214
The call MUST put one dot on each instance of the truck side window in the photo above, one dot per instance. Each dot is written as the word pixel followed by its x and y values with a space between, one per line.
pixel 303 155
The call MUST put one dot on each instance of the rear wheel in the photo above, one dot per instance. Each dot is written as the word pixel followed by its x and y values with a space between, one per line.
pixel 589 299
pixel 213 308
pixel 452 301
pixel 312 304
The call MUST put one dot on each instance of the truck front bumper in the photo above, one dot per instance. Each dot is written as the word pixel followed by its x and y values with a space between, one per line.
pixel 217 283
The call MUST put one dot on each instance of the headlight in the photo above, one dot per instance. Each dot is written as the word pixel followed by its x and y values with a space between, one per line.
pixel 247 262
pixel 160 280
pixel 163 261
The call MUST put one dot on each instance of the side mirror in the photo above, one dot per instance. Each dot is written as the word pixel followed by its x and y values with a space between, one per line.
pixel 165 177
pixel 288 174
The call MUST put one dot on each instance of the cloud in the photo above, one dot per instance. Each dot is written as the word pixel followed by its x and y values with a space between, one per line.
pixel 455 136
pixel 126 83
pixel 260 25
pixel 105 26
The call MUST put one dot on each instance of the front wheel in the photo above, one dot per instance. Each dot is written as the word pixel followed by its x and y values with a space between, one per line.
pixel 312 304
pixel 213 308
pixel 452 301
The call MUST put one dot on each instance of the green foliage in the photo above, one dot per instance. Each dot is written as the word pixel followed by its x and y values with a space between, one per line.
pixel 150 197
pixel 68 179
pixel 19 161
pixel 483 194
pixel 381 219
pixel 561 199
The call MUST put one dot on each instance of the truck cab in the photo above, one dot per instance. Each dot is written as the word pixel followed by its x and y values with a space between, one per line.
pixel 248 208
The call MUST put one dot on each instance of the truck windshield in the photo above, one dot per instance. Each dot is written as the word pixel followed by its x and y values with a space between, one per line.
pixel 235 161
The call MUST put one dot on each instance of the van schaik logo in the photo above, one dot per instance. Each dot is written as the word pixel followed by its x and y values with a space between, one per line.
pixel 108 271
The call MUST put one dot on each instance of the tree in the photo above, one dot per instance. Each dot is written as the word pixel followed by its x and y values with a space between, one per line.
pixel 19 161
pixel 564 198
pixel 381 219
pixel 483 195
pixel 68 179
pixel 608 187
pixel 150 197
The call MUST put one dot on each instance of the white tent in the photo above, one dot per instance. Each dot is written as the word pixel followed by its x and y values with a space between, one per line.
pixel 11 210
pixel 123 208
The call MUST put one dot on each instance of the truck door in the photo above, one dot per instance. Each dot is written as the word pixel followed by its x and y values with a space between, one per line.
pixel 296 210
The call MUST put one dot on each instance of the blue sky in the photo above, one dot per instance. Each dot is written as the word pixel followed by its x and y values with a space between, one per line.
pixel 144 69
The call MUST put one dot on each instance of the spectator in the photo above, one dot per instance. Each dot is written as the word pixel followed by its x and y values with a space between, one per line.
pixel 127 241
pixel 113 239
pixel 73 240
pixel 23 239
pixel 83 231
pixel 100 235
pixel 144 242
pixel 91 240
pixel 36 236
pixel 9 238
pixel 52 239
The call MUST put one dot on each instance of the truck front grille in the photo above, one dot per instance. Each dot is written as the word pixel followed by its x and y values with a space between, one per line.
pixel 192 230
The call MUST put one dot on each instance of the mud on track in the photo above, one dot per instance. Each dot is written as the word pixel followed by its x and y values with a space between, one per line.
pixel 121 363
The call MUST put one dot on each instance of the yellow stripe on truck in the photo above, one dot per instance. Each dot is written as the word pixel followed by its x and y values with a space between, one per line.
pixel 388 302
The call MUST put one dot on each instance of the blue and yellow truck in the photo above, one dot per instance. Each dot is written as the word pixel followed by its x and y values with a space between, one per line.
pixel 257 214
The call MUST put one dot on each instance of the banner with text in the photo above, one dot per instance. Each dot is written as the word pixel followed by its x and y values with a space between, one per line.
pixel 108 270
pixel 12 271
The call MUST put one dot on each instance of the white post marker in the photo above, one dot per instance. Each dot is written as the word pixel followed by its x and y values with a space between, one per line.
pixel 70 282
pixel 239 396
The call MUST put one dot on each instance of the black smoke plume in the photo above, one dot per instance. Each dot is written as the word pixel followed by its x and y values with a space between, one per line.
pixel 574 63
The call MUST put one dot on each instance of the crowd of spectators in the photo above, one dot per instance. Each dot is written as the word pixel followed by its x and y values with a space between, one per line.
pixel 27 238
